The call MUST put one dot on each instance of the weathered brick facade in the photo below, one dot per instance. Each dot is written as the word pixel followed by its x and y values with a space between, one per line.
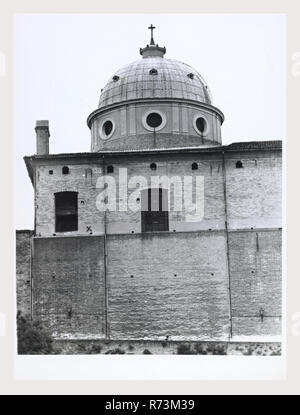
pixel 203 280
pixel 23 270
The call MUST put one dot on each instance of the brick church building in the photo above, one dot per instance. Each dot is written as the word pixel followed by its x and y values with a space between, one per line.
pixel 145 273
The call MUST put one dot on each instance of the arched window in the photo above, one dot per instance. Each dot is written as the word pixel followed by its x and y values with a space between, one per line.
pixel 153 166
pixel 194 166
pixel 66 211
pixel 65 170
pixel 110 169
pixel 239 164
pixel 154 210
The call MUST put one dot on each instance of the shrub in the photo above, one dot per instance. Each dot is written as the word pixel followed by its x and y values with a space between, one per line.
pixel 32 337
pixel 115 351
pixel 220 349
pixel 96 349
pixel 217 349
pixel 81 347
pixel 184 349
pixel 199 349
pixel 276 353
pixel 248 352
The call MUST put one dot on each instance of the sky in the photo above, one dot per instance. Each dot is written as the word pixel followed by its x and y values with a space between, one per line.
pixel 62 61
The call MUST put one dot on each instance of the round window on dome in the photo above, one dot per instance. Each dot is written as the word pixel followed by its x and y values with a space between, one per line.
pixel 154 120
pixel 107 129
pixel 200 125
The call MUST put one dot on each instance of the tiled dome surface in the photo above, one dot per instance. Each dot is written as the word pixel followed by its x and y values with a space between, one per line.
pixel 171 81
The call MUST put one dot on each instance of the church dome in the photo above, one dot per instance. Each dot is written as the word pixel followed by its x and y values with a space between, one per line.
pixel 155 102
pixel 155 77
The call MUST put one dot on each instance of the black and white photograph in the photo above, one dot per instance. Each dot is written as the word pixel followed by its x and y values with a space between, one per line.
pixel 148 184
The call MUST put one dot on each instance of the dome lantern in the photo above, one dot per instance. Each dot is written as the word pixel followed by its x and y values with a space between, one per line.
pixel 152 50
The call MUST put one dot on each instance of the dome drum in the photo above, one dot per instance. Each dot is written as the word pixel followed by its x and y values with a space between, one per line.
pixel 161 124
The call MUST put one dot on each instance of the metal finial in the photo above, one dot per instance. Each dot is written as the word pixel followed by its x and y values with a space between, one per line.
pixel 151 27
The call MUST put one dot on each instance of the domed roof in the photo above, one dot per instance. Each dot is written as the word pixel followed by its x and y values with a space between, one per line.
pixel 154 76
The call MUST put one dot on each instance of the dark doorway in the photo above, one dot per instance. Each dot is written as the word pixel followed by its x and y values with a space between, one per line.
pixel 66 211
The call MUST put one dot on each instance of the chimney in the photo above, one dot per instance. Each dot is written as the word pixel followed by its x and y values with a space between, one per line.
pixel 42 136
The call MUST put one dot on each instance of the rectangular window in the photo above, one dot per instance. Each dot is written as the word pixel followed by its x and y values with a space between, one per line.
pixel 155 215
pixel 66 211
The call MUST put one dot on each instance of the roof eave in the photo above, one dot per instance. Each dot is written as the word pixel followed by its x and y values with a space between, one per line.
pixel 234 147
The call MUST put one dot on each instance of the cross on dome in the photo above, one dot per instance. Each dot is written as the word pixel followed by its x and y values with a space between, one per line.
pixel 152 50
pixel 151 27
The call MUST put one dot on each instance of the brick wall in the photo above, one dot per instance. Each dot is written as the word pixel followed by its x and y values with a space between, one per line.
pixel 159 284
pixel 254 192
pixel 129 221
pixel 162 284
pixel 23 271
pixel 82 179
pixel 168 285
pixel 255 273
pixel 68 285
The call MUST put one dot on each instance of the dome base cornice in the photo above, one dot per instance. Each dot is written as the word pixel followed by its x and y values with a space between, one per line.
pixel 197 104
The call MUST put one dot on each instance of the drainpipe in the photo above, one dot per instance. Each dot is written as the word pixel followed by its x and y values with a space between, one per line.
pixel 227 243
pixel 154 137
pixel 31 276
pixel 105 265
